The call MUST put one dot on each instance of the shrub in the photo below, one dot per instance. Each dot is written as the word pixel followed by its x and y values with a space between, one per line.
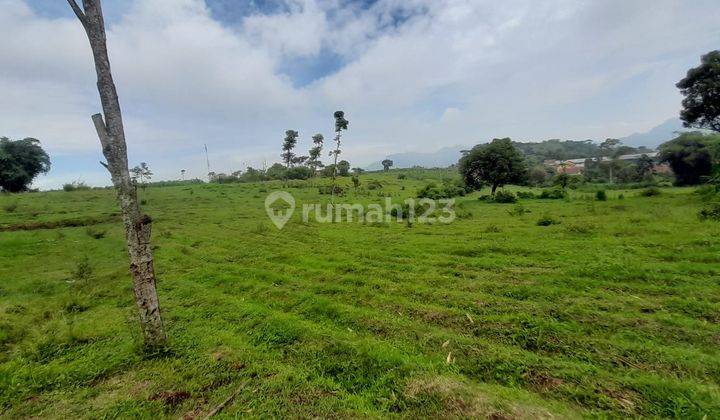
pixel 710 212
pixel 435 192
pixel 83 269
pixel 601 195
pixel 10 207
pixel 526 194
pixel 493 229
pixel 299 172
pixel 621 197
pixel 503 196
pixel 328 189
pixel 374 185
pixel 95 233
pixel 650 192
pixel 402 176
pixel 553 194
pixel 547 221
pixel 518 210
pixel 75 186
pixel 707 192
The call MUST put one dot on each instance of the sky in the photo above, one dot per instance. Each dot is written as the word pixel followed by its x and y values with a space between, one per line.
pixel 411 75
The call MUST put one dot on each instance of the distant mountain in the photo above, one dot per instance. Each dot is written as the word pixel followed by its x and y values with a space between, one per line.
pixel 656 136
pixel 442 158
pixel 450 155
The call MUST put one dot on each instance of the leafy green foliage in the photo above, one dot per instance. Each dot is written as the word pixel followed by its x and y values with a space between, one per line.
pixel 20 162
pixel 553 194
pixel 691 156
pixel 497 163
pixel 601 195
pixel 445 190
pixel 701 88
pixel 505 197
pixel 710 212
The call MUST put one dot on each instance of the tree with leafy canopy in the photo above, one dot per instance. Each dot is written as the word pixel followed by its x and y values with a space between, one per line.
pixel 343 168
pixel 701 88
pixel 691 156
pixel 20 162
pixel 340 124
pixel 289 143
pixel 496 163
pixel 315 152
pixel 387 163
pixel 142 173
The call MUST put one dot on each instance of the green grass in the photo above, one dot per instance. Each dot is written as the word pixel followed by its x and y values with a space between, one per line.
pixel 614 310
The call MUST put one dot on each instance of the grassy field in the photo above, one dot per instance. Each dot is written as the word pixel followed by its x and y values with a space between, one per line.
pixel 614 311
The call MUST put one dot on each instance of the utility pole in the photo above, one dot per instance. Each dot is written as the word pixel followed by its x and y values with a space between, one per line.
pixel 207 160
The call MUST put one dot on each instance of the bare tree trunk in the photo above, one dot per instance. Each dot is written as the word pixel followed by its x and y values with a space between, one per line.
pixel 112 137
pixel 334 173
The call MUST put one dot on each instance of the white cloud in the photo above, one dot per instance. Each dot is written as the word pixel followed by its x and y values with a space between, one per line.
pixel 417 74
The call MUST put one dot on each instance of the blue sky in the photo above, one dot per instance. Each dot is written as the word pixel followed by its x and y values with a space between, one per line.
pixel 412 75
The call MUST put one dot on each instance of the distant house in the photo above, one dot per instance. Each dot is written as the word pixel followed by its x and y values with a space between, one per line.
pixel 577 166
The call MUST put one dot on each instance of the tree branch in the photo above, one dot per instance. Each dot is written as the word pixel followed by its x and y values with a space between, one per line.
pixel 78 12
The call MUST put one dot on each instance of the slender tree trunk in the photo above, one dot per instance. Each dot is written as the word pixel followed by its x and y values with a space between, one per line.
pixel 112 137
pixel 334 173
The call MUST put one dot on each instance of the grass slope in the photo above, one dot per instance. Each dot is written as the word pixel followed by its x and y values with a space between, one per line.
pixel 612 312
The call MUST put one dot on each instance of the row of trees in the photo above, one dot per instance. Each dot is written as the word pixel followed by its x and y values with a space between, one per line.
pixel 694 158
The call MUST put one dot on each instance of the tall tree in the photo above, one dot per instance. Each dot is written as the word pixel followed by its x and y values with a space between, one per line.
pixel 138 226
pixel 496 163
pixel 701 88
pixel 340 124
pixel 288 145
pixel 20 162
pixel 387 163
pixel 315 152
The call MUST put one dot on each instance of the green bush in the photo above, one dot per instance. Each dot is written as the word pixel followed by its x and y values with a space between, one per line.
pixel 526 194
pixel 505 197
pixel 75 186
pixel 553 194
pixel 328 189
pixel 518 210
pixel 601 195
pixel 402 176
pixel 710 212
pixel 650 192
pixel 436 192
pixel 547 221
pixel 374 185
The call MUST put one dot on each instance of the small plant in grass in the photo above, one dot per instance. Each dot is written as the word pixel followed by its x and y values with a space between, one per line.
pixel 518 210
pixel 75 186
pixel 621 197
pixel 505 197
pixel 493 229
pixel 710 212
pixel 601 195
pixel 401 176
pixel 650 192
pixel 95 233
pixel 547 220
pixel 10 207
pixel 83 270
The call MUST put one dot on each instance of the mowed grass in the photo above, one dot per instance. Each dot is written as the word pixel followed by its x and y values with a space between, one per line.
pixel 614 311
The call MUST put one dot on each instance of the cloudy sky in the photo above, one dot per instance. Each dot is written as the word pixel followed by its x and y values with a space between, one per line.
pixel 412 75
